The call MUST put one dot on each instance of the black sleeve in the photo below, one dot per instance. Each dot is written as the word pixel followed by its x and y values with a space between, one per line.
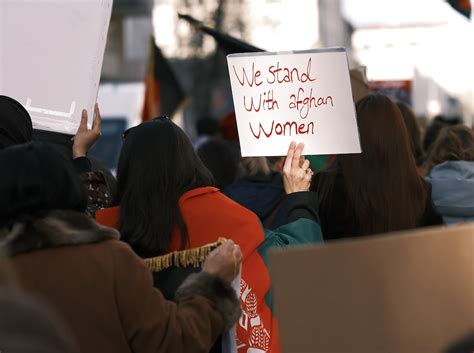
pixel 301 205
pixel 82 165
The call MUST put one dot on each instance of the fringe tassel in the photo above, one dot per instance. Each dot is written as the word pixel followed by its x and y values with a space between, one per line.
pixel 192 257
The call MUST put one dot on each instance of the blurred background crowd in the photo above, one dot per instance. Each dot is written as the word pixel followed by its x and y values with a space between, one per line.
pixel 417 51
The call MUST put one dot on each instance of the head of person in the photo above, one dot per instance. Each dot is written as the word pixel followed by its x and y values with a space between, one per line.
pixel 454 143
pixel 228 128
pixel 39 180
pixel 252 166
pixel 207 127
pixel 435 127
pixel 15 123
pixel 216 155
pixel 384 190
pixel 276 163
pixel 157 166
pixel 413 129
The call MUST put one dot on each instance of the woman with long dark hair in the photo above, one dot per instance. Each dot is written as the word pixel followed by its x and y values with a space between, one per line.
pixel 156 168
pixel 98 285
pixel 168 203
pixel 378 190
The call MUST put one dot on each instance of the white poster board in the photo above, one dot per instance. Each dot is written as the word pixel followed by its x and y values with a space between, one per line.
pixel 302 96
pixel 51 57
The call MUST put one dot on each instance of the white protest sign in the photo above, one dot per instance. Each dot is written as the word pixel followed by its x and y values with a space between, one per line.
pixel 51 57
pixel 302 96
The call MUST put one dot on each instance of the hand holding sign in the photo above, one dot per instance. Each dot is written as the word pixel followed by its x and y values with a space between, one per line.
pixel 296 174
pixel 85 137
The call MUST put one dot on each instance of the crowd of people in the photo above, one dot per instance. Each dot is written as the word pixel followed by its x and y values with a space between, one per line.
pixel 76 275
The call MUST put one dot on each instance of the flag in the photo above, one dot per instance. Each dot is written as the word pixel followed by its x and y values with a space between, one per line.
pixel 461 6
pixel 227 43
pixel 163 92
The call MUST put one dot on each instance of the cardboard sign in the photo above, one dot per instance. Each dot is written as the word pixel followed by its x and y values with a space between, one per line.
pixel 51 57
pixel 404 292
pixel 302 96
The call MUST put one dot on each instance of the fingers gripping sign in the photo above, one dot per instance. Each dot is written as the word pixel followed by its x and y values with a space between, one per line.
pixel 296 171
pixel 85 137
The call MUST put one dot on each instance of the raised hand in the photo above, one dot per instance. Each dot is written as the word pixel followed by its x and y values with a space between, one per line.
pixel 85 137
pixel 296 171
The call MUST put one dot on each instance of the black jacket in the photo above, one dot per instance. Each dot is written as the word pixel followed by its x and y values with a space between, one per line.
pixel 263 195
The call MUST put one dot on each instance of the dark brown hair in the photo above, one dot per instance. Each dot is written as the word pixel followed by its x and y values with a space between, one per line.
pixel 384 191
pixel 454 143
pixel 413 129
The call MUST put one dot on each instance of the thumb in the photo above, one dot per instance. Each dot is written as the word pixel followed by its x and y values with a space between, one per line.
pixel 237 254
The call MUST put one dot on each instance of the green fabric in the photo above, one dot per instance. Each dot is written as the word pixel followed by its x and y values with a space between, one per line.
pixel 300 232
pixel 317 163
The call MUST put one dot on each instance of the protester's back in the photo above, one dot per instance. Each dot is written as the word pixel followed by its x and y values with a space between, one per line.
pixel 259 187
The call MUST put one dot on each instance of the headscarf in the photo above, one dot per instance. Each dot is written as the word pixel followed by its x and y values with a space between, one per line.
pixel 15 123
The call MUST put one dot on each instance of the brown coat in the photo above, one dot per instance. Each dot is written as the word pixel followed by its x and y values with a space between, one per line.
pixel 105 294
pixel 23 317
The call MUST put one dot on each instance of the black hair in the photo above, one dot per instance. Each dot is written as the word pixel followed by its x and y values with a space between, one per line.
pixel 157 165
pixel 217 156
pixel 435 127
pixel 207 126
pixel 35 180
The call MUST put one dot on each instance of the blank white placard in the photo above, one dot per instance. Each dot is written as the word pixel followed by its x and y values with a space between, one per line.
pixel 51 57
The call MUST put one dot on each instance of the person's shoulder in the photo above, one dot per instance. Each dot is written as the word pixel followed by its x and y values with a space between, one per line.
pixel 210 201
pixel 126 264
pixel 231 209
pixel 115 249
